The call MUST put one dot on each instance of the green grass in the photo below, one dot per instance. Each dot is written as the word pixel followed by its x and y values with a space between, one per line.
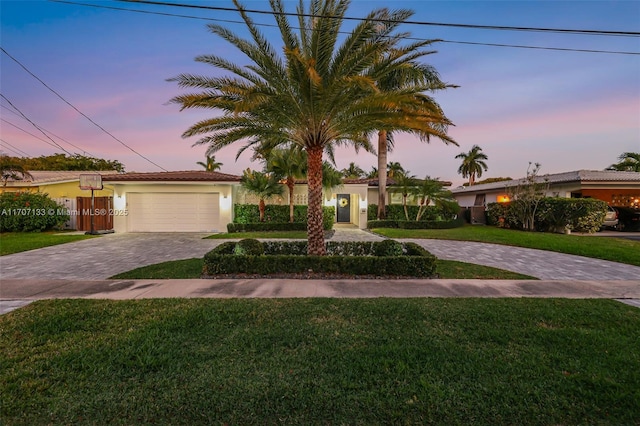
pixel 261 234
pixel 321 361
pixel 614 249
pixel 192 268
pixel 15 242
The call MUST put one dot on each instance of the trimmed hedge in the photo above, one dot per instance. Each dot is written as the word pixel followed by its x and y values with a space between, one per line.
pixel 396 212
pixel 554 215
pixel 343 258
pixel 247 218
pixel 412 224
pixel 29 212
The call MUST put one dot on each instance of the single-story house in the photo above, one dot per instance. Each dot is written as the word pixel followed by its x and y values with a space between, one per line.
pixel 614 187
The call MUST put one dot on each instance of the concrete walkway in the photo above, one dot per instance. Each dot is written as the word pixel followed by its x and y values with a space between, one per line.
pixel 80 269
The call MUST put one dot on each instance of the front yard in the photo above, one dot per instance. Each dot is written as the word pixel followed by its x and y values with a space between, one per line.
pixel 321 361
pixel 15 242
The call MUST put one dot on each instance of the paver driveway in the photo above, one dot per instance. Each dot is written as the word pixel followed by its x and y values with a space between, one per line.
pixel 104 256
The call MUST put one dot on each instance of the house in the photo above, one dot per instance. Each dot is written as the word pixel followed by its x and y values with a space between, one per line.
pixel 64 188
pixel 614 187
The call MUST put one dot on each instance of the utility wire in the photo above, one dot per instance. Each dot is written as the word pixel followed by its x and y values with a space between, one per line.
pixel 406 38
pixel 79 112
pixel 29 133
pixel 51 133
pixel 13 148
pixel 34 124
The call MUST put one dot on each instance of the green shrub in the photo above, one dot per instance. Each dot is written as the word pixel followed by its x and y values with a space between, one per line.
pixel 387 248
pixel 27 212
pixel 350 258
pixel 276 218
pixel 396 212
pixel 266 226
pixel 249 247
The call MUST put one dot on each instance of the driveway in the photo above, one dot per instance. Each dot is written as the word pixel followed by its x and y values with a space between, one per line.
pixel 102 257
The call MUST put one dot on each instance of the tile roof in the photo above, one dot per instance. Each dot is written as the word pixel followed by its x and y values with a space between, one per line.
pixel 574 176
pixel 179 176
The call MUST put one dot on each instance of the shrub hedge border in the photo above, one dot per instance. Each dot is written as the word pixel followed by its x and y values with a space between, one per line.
pixel 412 224
pixel 344 258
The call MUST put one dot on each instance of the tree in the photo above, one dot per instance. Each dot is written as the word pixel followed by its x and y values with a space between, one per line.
pixel 395 169
pixel 409 76
pixel 67 162
pixel 373 173
pixel 432 190
pixel 472 163
pixel 628 162
pixel 353 171
pixel 405 185
pixel 288 164
pixel 527 195
pixel 320 93
pixel 12 170
pixel 211 165
pixel 262 185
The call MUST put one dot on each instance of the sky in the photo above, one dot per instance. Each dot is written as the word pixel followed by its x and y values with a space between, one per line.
pixel 567 110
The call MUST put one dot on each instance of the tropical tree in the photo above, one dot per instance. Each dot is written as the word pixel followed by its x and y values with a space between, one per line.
pixel 627 161
pixel 262 185
pixel 373 173
pixel 394 169
pixel 211 165
pixel 320 93
pixel 12 170
pixel 432 190
pixel 405 185
pixel 472 163
pixel 409 76
pixel 353 171
pixel 288 164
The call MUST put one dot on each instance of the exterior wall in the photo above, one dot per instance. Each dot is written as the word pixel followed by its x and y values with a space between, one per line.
pixel 120 191
pixel 60 190
pixel 615 197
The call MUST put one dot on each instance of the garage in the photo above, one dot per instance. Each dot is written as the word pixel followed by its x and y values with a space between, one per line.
pixel 173 212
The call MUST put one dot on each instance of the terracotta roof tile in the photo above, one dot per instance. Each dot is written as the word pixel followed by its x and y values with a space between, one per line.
pixel 179 176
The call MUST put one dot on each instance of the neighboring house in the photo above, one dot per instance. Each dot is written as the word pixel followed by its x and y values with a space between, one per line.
pixel 64 188
pixel 614 187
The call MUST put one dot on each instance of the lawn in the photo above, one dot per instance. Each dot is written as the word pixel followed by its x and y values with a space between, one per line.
pixel 321 361
pixel 15 242
pixel 192 268
pixel 614 249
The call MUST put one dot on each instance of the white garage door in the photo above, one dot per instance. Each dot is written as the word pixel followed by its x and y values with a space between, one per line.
pixel 173 212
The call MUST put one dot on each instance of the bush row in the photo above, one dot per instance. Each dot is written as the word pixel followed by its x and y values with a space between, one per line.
pixel 396 212
pixel 266 226
pixel 30 211
pixel 553 215
pixel 385 258
pixel 249 214
pixel 411 224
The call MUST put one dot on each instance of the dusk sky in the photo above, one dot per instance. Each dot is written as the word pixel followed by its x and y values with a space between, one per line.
pixel 566 110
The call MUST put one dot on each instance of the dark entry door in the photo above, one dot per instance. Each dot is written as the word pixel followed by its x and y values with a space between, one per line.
pixel 344 208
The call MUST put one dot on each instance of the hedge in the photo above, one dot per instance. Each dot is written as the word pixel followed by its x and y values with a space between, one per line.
pixel 412 224
pixel 396 212
pixel 278 218
pixel 554 215
pixel 30 211
pixel 343 258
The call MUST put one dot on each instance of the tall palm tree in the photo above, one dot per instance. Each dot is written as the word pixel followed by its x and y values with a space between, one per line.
pixel 320 93
pixel 394 169
pixel 409 76
pixel 353 171
pixel 211 165
pixel 472 163
pixel 432 190
pixel 627 161
pixel 288 164
pixel 262 185
pixel 405 185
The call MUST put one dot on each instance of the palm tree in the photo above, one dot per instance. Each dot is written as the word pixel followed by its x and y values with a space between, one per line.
pixel 410 75
pixel 263 185
pixel 394 169
pixel 432 190
pixel 472 163
pixel 211 165
pixel 320 93
pixel 12 170
pixel 373 173
pixel 405 185
pixel 288 164
pixel 353 171
pixel 628 161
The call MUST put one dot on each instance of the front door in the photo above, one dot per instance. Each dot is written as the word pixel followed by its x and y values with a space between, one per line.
pixel 344 208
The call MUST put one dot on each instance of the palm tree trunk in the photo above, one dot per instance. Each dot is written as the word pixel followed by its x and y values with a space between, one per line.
pixel 382 174
pixel 404 205
pixel 315 231
pixel 290 184
pixel 261 207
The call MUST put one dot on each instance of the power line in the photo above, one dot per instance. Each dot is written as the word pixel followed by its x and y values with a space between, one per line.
pixel 516 46
pixel 34 124
pixel 29 133
pixel 79 112
pixel 50 132
pixel 440 24
pixel 14 148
